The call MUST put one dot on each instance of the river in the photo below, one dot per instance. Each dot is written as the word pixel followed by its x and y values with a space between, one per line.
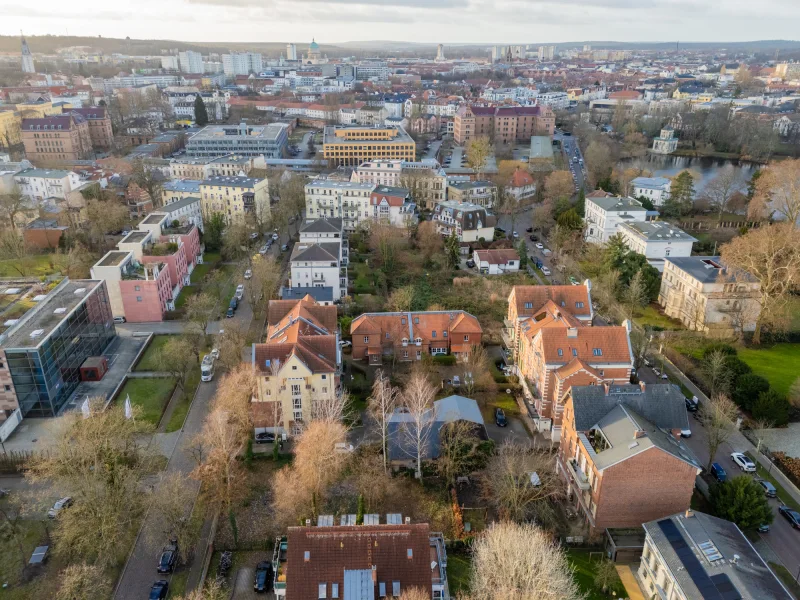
pixel 707 168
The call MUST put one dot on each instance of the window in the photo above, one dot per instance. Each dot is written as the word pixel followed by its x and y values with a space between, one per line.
pixel 138 298
pixel 444 334
pixel 433 333
pixel 2 366
pixel 382 589
pixel 137 288
pixel 466 338
pixel 579 305
pixel 334 590
pixel 7 387
pixel 396 589
pixel 416 320
pixel 322 590
pixel 324 377
pixel 560 352
pixel 597 351
pixel 366 339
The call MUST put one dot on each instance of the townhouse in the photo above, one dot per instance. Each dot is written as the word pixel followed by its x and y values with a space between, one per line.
pixel 392 205
pixel 603 214
pixel 470 222
pixel 235 197
pixel 482 193
pixel 622 456
pixel 346 200
pixel 297 365
pixel 406 336
pixel 704 295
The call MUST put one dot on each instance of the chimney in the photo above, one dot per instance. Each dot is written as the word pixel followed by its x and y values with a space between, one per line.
pixel 689 513
pixel 408 520
pixel 374 575
pixel 642 385
pixel 572 332
pixel 308 522
pixel 639 433
pixel 606 387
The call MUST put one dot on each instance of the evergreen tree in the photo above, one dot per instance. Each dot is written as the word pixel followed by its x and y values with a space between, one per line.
pixel 452 249
pixel 200 112
pixel 681 196
pixel 742 501
pixel 570 219
pixel 522 249
pixel 646 203
pixel 580 205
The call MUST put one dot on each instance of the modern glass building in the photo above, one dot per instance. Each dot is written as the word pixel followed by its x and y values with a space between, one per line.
pixel 45 349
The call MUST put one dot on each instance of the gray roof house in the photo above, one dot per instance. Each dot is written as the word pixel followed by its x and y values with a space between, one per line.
pixel 445 411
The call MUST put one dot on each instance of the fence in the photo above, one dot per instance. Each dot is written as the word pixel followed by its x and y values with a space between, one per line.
pixel 13 463
pixel 10 424
pixel 709 225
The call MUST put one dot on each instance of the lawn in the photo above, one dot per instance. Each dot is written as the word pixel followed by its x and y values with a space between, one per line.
pixel 182 407
pixel 151 395
pixel 777 363
pixel 459 571
pixel 186 293
pixel 149 360
pixel 199 272
pixel 585 571
pixel 35 265
pixel 649 316
pixel 786 577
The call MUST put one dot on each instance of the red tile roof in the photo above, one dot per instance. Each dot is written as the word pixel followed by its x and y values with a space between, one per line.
pixel 497 256
pixel 565 297
pixel 521 178
pixel 582 342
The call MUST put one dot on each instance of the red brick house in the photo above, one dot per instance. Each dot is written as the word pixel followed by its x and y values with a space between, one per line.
pixel 409 335
pixel 622 456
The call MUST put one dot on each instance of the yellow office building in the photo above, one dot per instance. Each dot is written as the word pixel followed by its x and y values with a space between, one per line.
pixel 351 146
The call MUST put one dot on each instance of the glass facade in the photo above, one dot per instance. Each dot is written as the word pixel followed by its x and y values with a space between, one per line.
pixel 45 377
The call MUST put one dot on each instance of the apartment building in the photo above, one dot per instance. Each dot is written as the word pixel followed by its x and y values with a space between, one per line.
pixel 351 146
pixel 555 350
pixel 241 63
pixel 655 189
pixel 392 205
pixel 470 222
pixel 187 210
pixel 41 184
pixel 190 62
pixel 694 555
pixel 483 193
pixel 318 264
pixel 99 120
pixel 213 141
pixel 235 197
pixel 297 364
pixel 502 124
pixel 346 200
pixel 178 189
pixel 425 180
pixel 603 215
pixel 193 168
pixel 622 456
pixel 409 335
pixel 704 295
pixel 656 240
pixel 61 137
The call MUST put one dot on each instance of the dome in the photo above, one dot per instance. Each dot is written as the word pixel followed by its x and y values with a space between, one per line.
pixel 314 45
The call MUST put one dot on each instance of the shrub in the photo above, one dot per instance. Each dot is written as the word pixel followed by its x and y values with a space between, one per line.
pixel 447 360
pixel 742 501
pixel 736 366
pixel 772 406
pixel 747 388
pixel 719 347
pixel 789 465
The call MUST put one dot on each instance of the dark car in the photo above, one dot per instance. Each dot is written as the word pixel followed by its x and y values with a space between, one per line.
pixel 265 437
pixel 500 418
pixel 533 238
pixel 791 515
pixel 763 528
pixel 769 489
pixel 234 303
pixel 471 263
pixel 229 313
pixel 691 405
pixel 718 473
pixel 159 590
pixel 169 556
pixel 263 578
pixel 529 230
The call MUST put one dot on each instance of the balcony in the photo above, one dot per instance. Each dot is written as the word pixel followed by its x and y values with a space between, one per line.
pixel 577 475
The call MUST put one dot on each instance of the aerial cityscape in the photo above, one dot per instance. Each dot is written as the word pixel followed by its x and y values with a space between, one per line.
pixel 383 308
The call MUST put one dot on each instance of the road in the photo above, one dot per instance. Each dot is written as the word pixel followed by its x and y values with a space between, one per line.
pixel 782 539
pixel 570 151
pixel 522 221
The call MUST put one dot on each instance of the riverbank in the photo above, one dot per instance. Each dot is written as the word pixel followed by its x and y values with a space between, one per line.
pixel 690 153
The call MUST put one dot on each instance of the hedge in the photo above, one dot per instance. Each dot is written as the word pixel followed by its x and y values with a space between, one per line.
pixel 447 360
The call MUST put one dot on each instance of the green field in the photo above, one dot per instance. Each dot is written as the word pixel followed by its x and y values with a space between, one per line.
pixel 151 395
pixel 459 570
pixel 35 265
pixel 650 317
pixel 585 569
pixel 149 360
pixel 186 293
pixel 199 272
pixel 182 407
pixel 777 363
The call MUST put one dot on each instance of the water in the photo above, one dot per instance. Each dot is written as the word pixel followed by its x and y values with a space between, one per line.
pixel 707 168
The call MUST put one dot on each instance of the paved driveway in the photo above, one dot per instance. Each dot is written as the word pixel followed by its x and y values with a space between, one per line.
pixel 515 431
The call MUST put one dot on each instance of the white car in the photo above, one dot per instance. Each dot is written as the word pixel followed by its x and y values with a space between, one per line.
pixel 344 343
pixel 539 245
pixel 275 236
pixel 215 353
pixel 61 504
pixel 545 271
pixel 743 462
pixel 515 234
pixel 240 288
pixel 248 274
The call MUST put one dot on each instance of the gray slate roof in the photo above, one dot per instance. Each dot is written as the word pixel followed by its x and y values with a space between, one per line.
pixel 331 225
pixel 326 251
pixel 320 294
pixel 749 575
pixel 661 403
pixel 708 269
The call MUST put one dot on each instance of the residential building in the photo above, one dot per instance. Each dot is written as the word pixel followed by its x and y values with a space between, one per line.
pixel 392 205
pixel 666 143
pixel 505 124
pixel 235 165
pixel 235 197
pixel 655 189
pixel 656 240
pixel 353 145
pixel 622 456
pixel 407 335
pixel 187 167
pixel 172 191
pixel 368 561
pixel 470 222
pixel 318 264
pixel 788 71
pixel 704 295
pixel 190 62
pixel 62 137
pixel 187 210
pixel 297 364
pixel 521 187
pixel 10 128
pixel 425 180
pixel 44 184
pixel 213 141
pixel 604 215
pixel 43 234
pixel 694 555
pixel 401 428
pixel 101 134
pixel 346 200
pixel 496 261
pixel 240 63
pixel 138 201
pixel 41 353
pixel 483 193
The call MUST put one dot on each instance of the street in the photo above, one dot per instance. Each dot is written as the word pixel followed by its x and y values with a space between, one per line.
pixel 570 151
pixel 522 221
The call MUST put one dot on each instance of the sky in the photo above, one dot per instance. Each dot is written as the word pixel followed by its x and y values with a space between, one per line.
pixel 430 21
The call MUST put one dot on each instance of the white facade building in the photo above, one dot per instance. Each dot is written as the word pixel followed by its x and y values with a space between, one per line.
pixel 555 100
pixel 346 200
pixel 318 264
pixel 170 63
pixel 656 240
pixel 190 62
pixel 655 189
pixel 291 52
pixel 40 184
pixel 241 63
pixel 186 210
pixel 604 215
pixel 666 143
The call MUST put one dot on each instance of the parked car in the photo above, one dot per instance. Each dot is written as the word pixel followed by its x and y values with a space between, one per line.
pixel 159 590
pixel 254 235
pixel 743 462
pixel 169 557
pixel 539 245
pixel 500 418
pixel 532 238
pixel 545 270
pixel 248 274
pixel 284 248
pixel 718 473
pixel 60 505
pixel 763 528
pixel 265 437
pixel 264 249
pixel 769 489
pixel 215 353
pixel 514 234
pixel 573 281
pixel 263 578
pixel 345 343
pixel 686 433
pixel 229 313
pixel 119 320
pixel 275 236
pixel 471 263
pixel 234 302
pixel 529 230
pixel 790 515
pixel 691 405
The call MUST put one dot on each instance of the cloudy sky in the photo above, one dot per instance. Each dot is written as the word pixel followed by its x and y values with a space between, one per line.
pixel 446 21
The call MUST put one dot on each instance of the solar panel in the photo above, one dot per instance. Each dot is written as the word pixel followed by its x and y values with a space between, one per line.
pixel 695 570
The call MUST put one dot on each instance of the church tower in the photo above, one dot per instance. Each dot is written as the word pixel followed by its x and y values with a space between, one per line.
pixel 27 58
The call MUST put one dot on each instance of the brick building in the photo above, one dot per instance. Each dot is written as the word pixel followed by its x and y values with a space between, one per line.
pixel 99 120
pixel 503 124
pixel 59 137
pixel 622 456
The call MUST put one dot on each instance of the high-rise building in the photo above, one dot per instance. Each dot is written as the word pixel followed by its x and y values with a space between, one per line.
pixel 497 53
pixel 547 52
pixel 587 47
pixel 241 63
pixel 191 62
pixel 291 51
pixel 27 58
pixel 440 53
pixel 170 63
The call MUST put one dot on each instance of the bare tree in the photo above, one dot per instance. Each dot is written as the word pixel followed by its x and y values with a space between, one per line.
pixel 457 442
pixel 231 344
pixel 777 192
pixel 475 370
pixel 417 402
pixel 332 407
pixel 759 427
pixel 429 241
pixel 264 281
pixel 721 190
pixel 718 417
pixel 212 590
pixel 716 373
pixel 382 403
pixel 178 358
pixel 12 205
pixel 558 185
pixel 478 150
pixel 606 575
pixel 200 310
pixel 83 582
pixel 169 516
pixel 234 395
pixel 519 562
